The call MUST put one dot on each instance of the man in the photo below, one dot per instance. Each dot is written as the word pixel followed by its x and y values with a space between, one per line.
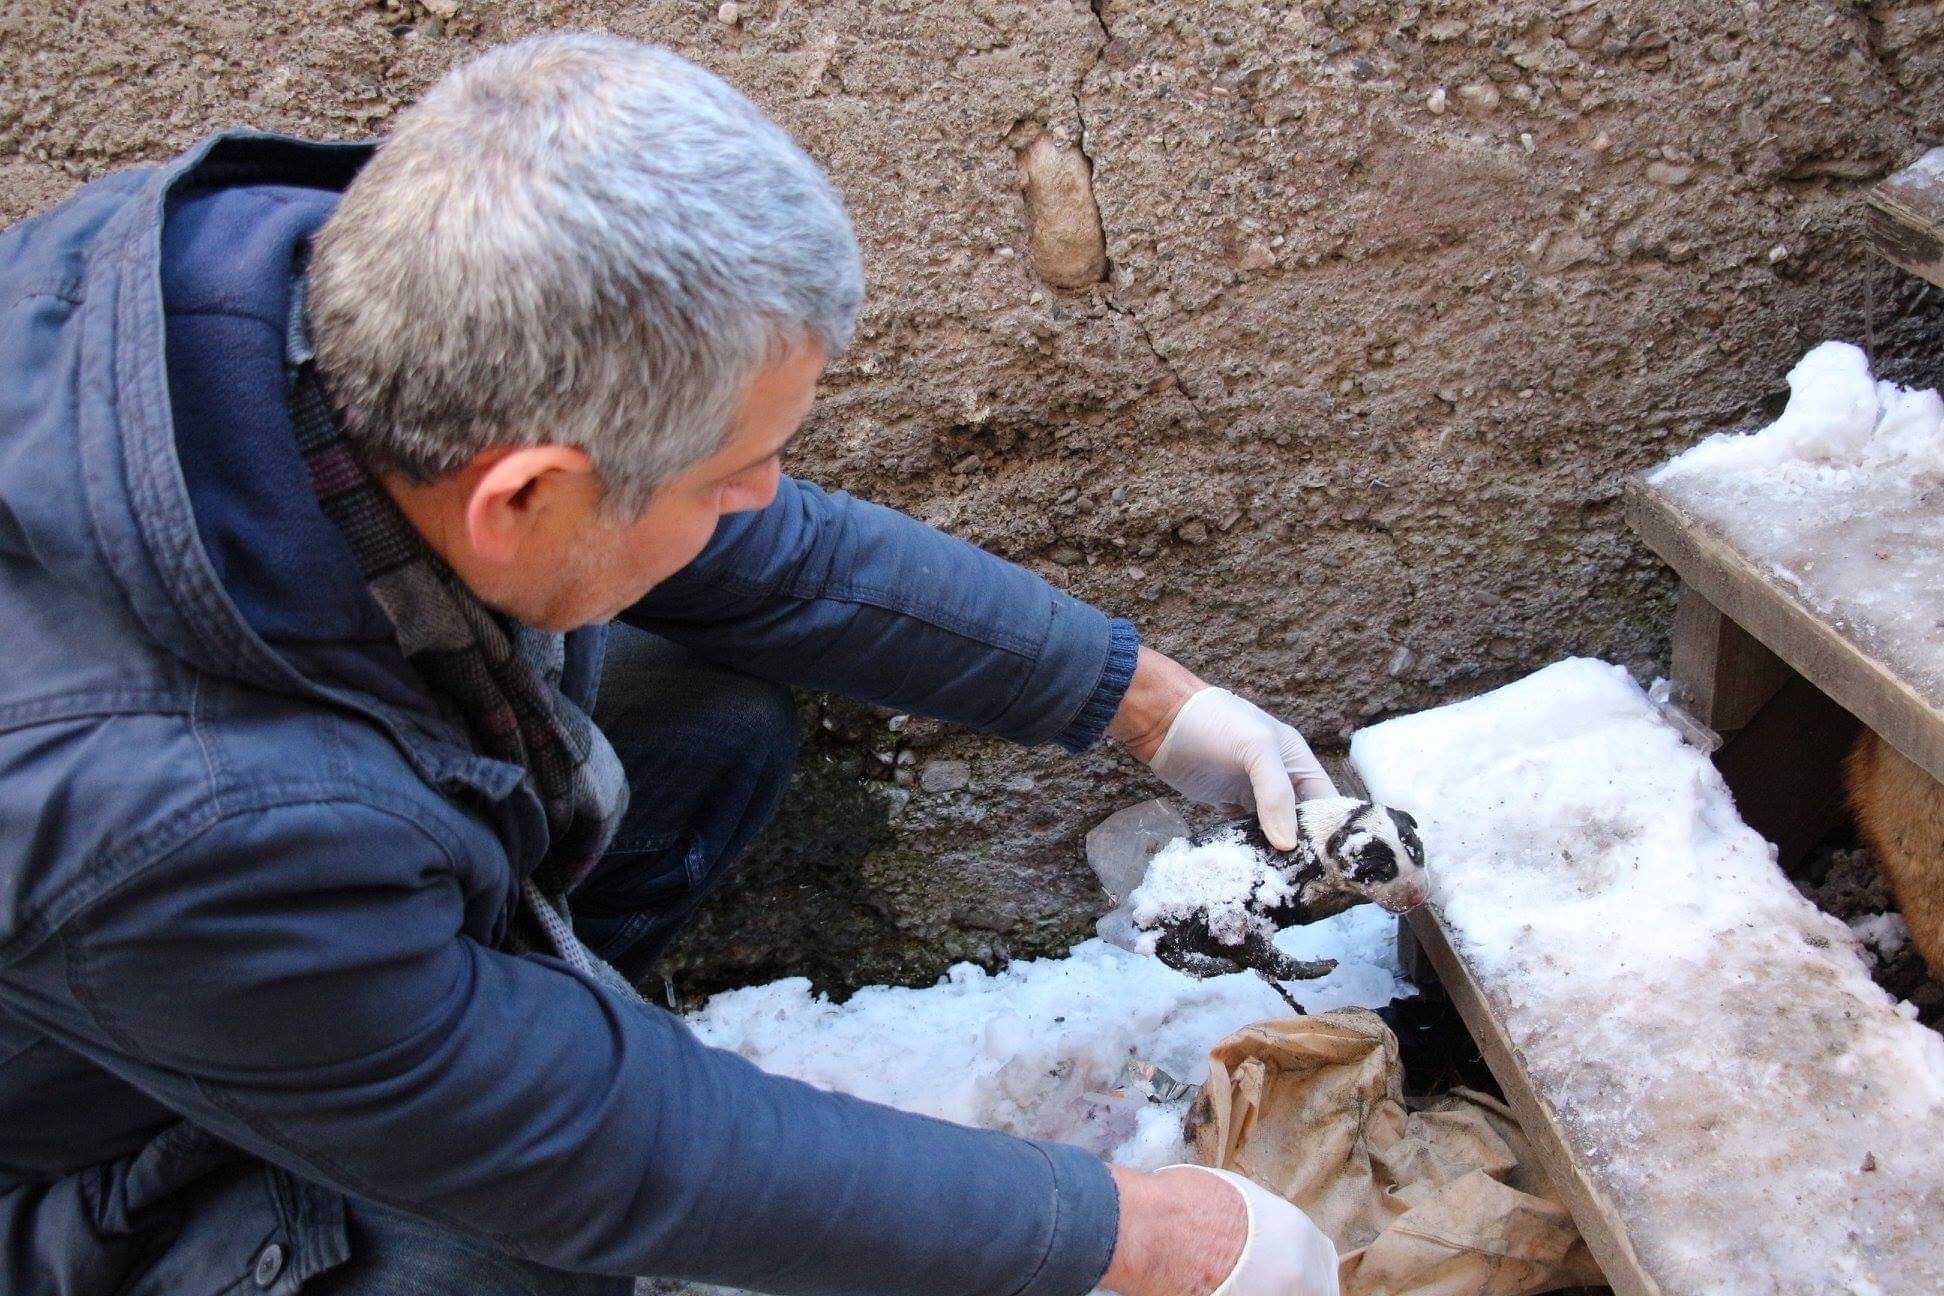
pixel 308 456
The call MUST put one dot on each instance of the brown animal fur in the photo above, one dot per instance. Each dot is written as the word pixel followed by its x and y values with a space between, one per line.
pixel 1900 815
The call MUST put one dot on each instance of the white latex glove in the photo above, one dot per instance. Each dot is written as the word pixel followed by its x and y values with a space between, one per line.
pixel 1222 750
pixel 1285 1253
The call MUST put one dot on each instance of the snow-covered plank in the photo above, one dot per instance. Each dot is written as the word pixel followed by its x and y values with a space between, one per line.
pixel 1823 536
pixel 1730 1104
pixel 1906 217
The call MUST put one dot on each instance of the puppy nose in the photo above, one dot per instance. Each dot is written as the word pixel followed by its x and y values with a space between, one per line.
pixel 1405 898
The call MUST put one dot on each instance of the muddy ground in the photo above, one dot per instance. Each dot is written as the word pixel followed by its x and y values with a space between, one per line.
pixel 1317 338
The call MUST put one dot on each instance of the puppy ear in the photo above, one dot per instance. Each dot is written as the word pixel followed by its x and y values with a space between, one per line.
pixel 1403 818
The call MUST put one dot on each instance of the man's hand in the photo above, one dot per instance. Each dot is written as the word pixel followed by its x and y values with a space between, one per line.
pixel 1214 747
pixel 1188 1231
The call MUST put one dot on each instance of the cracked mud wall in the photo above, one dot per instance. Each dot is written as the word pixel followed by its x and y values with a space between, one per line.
pixel 1387 301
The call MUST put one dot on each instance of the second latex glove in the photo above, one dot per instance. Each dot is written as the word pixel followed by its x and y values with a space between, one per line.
pixel 1222 750
pixel 1285 1254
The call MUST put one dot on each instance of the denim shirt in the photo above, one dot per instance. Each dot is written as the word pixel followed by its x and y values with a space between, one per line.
pixel 255 884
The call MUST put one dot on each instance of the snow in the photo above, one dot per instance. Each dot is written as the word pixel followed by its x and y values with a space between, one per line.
pixel 1042 1047
pixel 1842 499
pixel 1712 1042
pixel 1224 876
pixel 1884 935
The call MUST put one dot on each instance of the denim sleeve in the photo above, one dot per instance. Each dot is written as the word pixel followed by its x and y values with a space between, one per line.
pixel 825 591
pixel 326 1015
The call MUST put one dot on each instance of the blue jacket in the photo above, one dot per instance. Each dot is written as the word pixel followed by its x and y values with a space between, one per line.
pixel 253 887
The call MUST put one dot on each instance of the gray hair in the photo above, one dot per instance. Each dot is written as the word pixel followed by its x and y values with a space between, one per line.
pixel 574 240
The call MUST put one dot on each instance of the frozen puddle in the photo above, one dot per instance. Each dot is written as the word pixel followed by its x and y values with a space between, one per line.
pixel 1760 1115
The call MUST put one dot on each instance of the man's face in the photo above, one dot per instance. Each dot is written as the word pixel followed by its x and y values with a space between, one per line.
pixel 581 566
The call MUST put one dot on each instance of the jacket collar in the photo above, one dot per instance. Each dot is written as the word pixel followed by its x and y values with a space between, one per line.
pixel 138 501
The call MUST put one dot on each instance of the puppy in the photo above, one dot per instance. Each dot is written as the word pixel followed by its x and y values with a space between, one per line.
pixel 1900 815
pixel 1348 852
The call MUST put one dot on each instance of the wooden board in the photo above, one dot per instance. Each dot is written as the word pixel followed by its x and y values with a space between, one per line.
pixel 1598 1220
pixel 1909 717
pixel 1727 675
pixel 1906 217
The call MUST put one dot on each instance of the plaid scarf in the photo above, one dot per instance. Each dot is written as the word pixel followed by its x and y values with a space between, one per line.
pixel 502 677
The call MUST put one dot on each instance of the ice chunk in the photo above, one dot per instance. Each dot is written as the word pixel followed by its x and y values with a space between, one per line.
pixel 1831 414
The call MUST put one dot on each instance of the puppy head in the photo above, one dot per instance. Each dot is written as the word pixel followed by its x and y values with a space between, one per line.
pixel 1368 850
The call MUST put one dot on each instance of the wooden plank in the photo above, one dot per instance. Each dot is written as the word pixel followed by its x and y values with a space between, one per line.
pixel 1825 655
pixel 1599 1222
pixel 1905 217
pixel 1726 674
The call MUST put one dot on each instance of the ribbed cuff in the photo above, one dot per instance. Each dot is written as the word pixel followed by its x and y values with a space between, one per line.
pixel 1091 721
pixel 1086 1224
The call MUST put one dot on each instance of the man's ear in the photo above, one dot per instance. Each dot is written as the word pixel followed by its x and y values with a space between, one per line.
pixel 515 489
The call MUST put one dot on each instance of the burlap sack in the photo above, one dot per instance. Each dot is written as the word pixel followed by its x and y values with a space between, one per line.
pixel 1443 1201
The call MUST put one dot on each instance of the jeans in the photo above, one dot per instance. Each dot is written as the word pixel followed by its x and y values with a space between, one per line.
pixel 708 752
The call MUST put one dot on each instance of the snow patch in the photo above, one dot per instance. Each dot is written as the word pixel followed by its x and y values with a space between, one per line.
pixel 1710 1039
pixel 1884 935
pixel 1224 876
pixel 1041 1048
pixel 1842 499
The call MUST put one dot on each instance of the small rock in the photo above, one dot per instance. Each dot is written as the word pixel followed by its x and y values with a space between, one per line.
pixel 1195 532
pixel 1600 143
pixel 1256 255
pixel 1585 33
pixel 968 464
pixel 729 13
pixel 1778 254
pixel 1436 103
pixel 1669 174
pixel 1400 661
pixel 1568 250
pixel 1525 141
pixel 1064 237
pixel 1480 95
pixel 945 776
pixel 1869 1162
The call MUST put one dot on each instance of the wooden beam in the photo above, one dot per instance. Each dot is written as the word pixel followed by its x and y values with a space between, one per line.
pixel 1905 218
pixel 1906 717
pixel 1599 1222
pixel 1727 673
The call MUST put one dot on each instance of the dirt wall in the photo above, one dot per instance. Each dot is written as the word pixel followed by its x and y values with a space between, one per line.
pixel 1316 338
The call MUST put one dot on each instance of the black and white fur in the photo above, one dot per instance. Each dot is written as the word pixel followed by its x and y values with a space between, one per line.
pixel 1348 852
